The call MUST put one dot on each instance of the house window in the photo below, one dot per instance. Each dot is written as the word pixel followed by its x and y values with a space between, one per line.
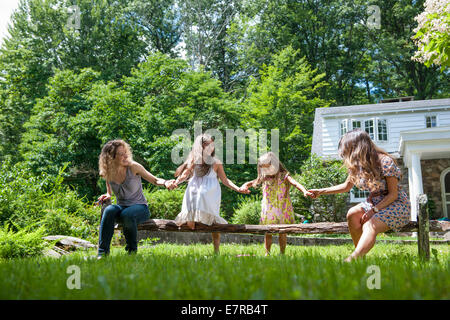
pixel 368 126
pixel 356 124
pixel 357 195
pixel 431 121
pixel 382 130
pixel 344 127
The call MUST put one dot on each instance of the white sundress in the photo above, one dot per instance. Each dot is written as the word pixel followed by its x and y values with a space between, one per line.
pixel 201 202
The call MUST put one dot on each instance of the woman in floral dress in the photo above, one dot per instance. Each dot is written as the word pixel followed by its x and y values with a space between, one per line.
pixel 373 169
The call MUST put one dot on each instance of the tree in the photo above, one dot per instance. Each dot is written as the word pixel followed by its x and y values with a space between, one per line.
pixel 433 34
pixel 41 40
pixel 205 26
pixel 285 98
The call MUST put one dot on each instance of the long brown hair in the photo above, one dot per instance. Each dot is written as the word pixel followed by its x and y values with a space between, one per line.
pixel 106 164
pixel 196 159
pixel 272 159
pixel 361 157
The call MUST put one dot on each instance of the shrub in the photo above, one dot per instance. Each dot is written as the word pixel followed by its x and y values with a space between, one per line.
pixel 43 201
pixel 163 203
pixel 24 243
pixel 248 211
pixel 55 222
pixel 317 173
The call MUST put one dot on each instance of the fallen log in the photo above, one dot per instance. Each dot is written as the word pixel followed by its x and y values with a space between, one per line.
pixel 309 228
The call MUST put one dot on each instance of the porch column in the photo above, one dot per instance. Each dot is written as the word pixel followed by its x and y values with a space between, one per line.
pixel 416 179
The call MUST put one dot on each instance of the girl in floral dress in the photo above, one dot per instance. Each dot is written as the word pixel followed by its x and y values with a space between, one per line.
pixel 373 169
pixel 276 203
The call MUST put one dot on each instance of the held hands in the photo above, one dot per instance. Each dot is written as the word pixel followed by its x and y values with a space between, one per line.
pixel 314 193
pixel 308 193
pixel 244 190
pixel 170 184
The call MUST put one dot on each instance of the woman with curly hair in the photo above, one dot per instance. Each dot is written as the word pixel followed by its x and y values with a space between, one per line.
pixel 373 169
pixel 123 177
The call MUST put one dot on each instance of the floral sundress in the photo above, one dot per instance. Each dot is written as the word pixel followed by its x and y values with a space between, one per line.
pixel 398 213
pixel 276 205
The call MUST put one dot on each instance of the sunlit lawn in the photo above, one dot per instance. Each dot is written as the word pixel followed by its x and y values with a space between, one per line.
pixel 168 271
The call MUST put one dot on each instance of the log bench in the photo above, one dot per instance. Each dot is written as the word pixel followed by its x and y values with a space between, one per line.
pixel 423 227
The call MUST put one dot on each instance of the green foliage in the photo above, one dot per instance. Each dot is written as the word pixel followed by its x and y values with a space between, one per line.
pixel 164 204
pixel 21 244
pixel 30 201
pixel 317 173
pixel 248 211
pixel 285 98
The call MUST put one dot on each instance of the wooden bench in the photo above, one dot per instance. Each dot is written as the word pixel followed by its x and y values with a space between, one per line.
pixel 423 227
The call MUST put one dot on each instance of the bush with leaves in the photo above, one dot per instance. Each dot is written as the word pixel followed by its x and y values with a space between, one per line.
pixel 248 211
pixel 21 244
pixel 318 173
pixel 164 204
pixel 33 201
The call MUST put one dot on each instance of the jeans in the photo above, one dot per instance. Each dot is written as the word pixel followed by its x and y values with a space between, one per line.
pixel 129 217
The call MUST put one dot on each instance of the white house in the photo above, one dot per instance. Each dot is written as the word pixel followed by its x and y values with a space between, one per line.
pixel 416 133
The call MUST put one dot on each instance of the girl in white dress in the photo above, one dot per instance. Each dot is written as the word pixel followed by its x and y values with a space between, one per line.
pixel 201 202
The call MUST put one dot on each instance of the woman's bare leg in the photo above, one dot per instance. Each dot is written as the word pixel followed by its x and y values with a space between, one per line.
pixel 370 230
pixel 354 223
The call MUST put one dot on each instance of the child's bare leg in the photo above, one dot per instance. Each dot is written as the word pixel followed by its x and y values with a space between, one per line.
pixel 216 241
pixel 191 224
pixel 267 242
pixel 282 241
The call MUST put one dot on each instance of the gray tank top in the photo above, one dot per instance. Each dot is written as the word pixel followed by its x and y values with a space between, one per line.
pixel 130 191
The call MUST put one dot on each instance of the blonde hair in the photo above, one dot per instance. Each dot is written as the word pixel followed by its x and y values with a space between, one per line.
pixel 196 160
pixel 106 159
pixel 361 157
pixel 270 158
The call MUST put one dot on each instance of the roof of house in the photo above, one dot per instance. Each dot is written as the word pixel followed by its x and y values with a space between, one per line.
pixel 365 109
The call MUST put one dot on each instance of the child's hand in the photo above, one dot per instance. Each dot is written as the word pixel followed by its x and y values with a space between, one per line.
pixel 171 184
pixel 308 194
pixel 244 187
pixel 315 193
pixel 244 190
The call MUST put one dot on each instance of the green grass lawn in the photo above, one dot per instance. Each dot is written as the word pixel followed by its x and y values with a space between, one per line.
pixel 168 271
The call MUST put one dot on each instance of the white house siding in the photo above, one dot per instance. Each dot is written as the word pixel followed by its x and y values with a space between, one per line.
pixel 396 122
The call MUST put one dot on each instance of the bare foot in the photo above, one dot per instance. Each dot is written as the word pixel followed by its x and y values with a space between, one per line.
pixel 267 254
pixel 191 225
pixel 350 258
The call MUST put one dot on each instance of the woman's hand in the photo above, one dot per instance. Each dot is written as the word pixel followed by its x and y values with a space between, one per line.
pixel 307 193
pixel 103 198
pixel 366 216
pixel 315 193
pixel 170 184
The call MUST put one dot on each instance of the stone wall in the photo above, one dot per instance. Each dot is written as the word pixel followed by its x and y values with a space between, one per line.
pixel 431 177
